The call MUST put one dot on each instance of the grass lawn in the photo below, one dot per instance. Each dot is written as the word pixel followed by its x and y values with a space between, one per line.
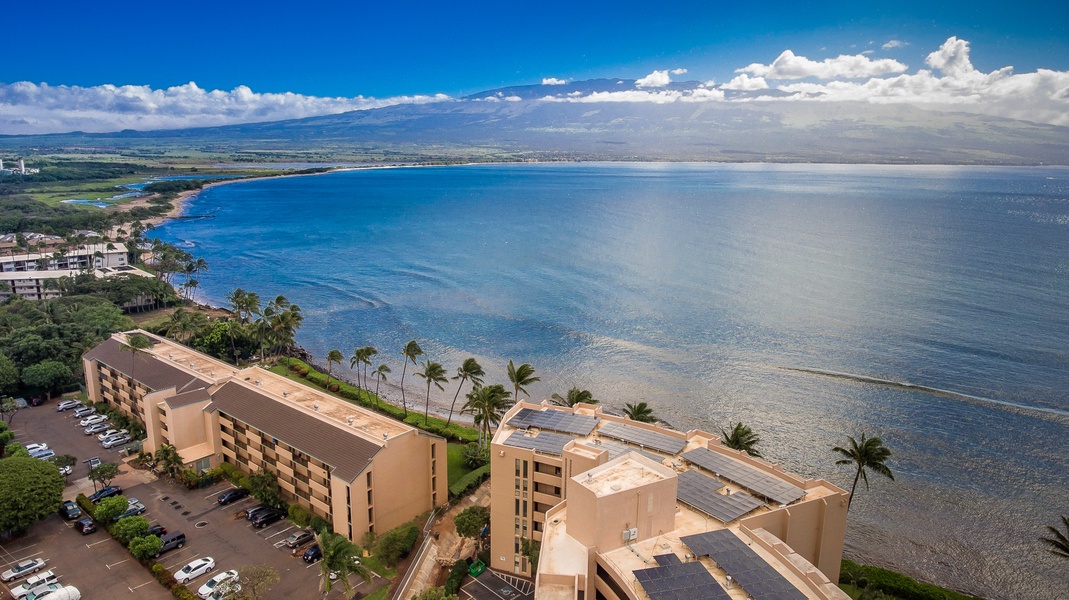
pixel 457 468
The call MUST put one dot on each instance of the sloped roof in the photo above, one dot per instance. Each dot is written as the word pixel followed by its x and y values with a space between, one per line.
pixel 187 398
pixel 146 368
pixel 345 451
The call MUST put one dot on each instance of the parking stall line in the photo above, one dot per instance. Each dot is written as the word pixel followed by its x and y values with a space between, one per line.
pixel 279 533
pixel 139 586
pixel 95 543
pixel 171 568
pixel 118 563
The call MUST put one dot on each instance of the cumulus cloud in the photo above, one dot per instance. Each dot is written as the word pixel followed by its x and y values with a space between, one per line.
pixel 29 108
pixel 678 71
pixel 746 83
pixel 892 44
pixel 654 79
pixel 553 81
pixel 789 65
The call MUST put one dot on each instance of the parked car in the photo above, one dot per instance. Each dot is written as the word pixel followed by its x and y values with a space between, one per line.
pixel 157 530
pixel 134 508
pixel 299 539
pixel 21 403
pixel 48 577
pixel 84 411
pixel 86 526
pixel 69 510
pixel 116 440
pixel 312 554
pixel 65 593
pixel 93 462
pixel 233 495
pixel 334 574
pixel 111 432
pixel 251 511
pixel 96 428
pixel 172 541
pixel 37 400
pixel 105 492
pixel 22 569
pixel 43 454
pixel 64 471
pixel 206 590
pixel 43 591
pixel 195 569
pixel 31 448
pixel 267 517
pixel 93 420
pixel 67 405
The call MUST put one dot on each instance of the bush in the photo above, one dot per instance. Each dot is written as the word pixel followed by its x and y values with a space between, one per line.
pixel 231 472
pixel 896 584
pixel 456 577
pixel 396 544
pixel 194 481
pixel 299 515
pixel 470 481
pixel 181 592
pixel 303 372
pixel 334 387
pixel 163 576
pixel 144 548
pixel 87 507
pixel 320 525
pixel 110 508
pixel 476 456
pixel 128 529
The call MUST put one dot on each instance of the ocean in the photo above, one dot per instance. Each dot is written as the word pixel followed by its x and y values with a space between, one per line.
pixel 925 305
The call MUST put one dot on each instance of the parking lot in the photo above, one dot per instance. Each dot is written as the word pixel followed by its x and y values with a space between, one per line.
pixel 97 564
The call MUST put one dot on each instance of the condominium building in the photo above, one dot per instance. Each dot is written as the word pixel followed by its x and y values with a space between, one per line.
pixel 81 258
pixel 357 469
pixel 628 510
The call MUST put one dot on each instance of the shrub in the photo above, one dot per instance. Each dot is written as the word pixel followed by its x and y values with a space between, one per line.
pixel 333 387
pixel 231 472
pixel 299 515
pixel 456 577
pixel 396 544
pixel 181 592
pixel 192 480
pixel 165 577
pixel 144 548
pixel 87 507
pixel 469 481
pixel 130 528
pixel 303 372
pixel 320 525
pixel 896 584
pixel 475 455
pixel 110 508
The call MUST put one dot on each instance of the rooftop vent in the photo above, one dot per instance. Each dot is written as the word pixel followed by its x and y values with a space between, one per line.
pixel 315 407
pixel 385 436
pixel 284 394
pixel 213 373
pixel 257 382
pixel 350 421
pixel 170 356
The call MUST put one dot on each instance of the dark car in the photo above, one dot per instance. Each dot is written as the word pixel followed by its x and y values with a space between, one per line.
pixel 172 541
pixel 299 539
pixel 36 400
pixel 157 530
pixel 106 492
pixel 251 511
pixel 265 518
pixel 69 510
pixel 233 495
pixel 312 554
pixel 86 526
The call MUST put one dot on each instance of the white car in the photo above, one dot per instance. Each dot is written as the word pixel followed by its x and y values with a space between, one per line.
pixel 31 448
pixel 195 569
pixel 22 569
pixel 43 591
pixel 209 587
pixel 19 592
pixel 92 420
pixel 110 433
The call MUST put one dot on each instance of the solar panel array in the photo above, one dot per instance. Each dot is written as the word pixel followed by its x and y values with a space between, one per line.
pixel 755 480
pixel 551 443
pixel 554 420
pixel 700 492
pixel 617 449
pixel 756 576
pixel 679 581
pixel 641 437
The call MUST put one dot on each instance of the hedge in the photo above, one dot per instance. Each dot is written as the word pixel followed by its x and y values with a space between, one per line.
pixel 469 481
pixel 86 505
pixel 456 577
pixel 299 515
pixel 181 592
pixel 896 584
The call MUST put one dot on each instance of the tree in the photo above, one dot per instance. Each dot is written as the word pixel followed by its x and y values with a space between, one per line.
pixel 30 490
pixel 868 455
pixel 129 528
pixel 380 375
pixel 471 521
pixel 334 357
pixel 9 375
pixel 486 404
pixel 434 373
pixel 470 370
pixel 63 461
pixel 136 344
pixel 357 360
pixel 521 376
pixel 168 459
pixel 252 583
pixel 411 352
pixel 475 455
pixel 104 473
pixel 575 396
pixel 741 438
pixel 1059 542
pixel 145 547
pixel 8 408
pixel 640 412
pixel 47 375
pixel 109 509
pixel 340 559
pixel 264 487
pixel 531 549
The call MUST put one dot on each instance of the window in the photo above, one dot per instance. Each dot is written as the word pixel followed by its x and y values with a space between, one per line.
pixel 517 467
pixel 432 450
pixel 369 479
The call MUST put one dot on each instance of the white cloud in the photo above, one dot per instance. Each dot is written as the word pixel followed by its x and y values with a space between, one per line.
pixel 746 83
pixel 553 81
pixel 654 79
pixel 29 108
pixel 892 44
pixel 788 65
pixel 678 71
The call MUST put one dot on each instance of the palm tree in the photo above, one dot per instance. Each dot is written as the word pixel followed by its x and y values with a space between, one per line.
pixel 469 370
pixel 369 353
pixel 486 404
pixel 339 561
pixel 380 375
pixel 136 344
pixel 168 459
pixel 333 357
pixel 869 454
pixel 742 438
pixel 1059 544
pixel 520 377
pixel 411 352
pixel 640 412
pixel 357 359
pixel 575 396
pixel 434 373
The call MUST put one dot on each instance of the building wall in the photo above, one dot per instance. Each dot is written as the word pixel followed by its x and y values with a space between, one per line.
pixel 815 529
pixel 524 486
pixel 402 476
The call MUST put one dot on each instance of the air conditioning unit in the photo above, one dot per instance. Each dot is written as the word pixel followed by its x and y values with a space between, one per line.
pixel 630 534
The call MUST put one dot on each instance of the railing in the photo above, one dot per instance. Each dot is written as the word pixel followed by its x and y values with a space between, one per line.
pixel 414 566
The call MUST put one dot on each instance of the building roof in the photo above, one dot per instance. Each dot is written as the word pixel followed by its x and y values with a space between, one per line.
pixel 346 451
pixel 145 368
pixel 187 398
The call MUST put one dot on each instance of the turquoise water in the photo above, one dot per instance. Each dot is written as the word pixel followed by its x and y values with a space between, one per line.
pixel 702 289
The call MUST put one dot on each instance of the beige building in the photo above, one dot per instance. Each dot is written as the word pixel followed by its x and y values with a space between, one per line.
pixel 628 510
pixel 355 468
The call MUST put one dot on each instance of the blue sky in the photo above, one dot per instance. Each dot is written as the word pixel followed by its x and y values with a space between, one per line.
pixel 271 60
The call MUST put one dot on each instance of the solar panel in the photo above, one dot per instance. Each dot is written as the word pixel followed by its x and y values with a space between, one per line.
pixel 554 420
pixel 617 449
pixel 641 437
pixel 755 480
pixel 700 492
pixel 679 581
pixel 757 577
pixel 551 443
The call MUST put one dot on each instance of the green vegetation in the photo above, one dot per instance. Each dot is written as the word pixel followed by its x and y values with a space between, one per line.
pixel 110 508
pixel 639 412
pixel 742 438
pixel 521 377
pixel 396 544
pixel 865 582
pixel 471 521
pixel 30 490
pixel 340 558
pixel 1058 542
pixel 868 455
pixel 469 481
pixel 575 396
pixel 457 466
pixel 104 473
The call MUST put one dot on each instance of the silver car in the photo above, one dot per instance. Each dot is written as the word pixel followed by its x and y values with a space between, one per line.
pixel 116 440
